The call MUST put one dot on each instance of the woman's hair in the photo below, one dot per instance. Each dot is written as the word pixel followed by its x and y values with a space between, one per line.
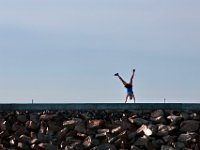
pixel 128 86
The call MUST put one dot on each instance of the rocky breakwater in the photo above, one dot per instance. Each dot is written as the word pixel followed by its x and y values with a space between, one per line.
pixel 100 130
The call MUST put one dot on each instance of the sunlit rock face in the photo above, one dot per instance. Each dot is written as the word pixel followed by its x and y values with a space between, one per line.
pixel 100 130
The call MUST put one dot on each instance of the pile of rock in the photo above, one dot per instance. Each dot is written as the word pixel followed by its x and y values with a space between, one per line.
pixel 100 130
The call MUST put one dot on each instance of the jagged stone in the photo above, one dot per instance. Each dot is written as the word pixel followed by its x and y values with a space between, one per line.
pixel 131 136
pixel 103 130
pixel 15 126
pixel 70 124
pixel 111 139
pixel 21 130
pixel 68 148
pixel 62 133
pixel 2 147
pixel 47 146
pixel 4 134
pixel 25 139
pixel 125 125
pixel 81 135
pixel 85 116
pixel 142 141
pixel 133 147
pixel 195 116
pixel 13 142
pixel 105 147
pixel 123 134
pixel 185 115
pixel 91 131
pixel 35 147
pixel 5 126
pixel 53 126
pixel 166 147
pixel 197 146
pixel 23 146
pixel 33 135
pixel 80 127
pixel 148 129
pixel 100 135
pixel 95 123
pixel 87 142
pixel 189 126
pixel 144 129
pixel 166 138
pixel 188 137
pixel 162 130
pixel 41 137
pixel 47 117
pixel 76 144
pixel 157 113
pixel 116 130
pixel 156 144
pixel 95 142
pixel 31 125
pixel 138 121
pixel 118 143
pixel 34 117
pixel 159 120
pixel 35 141
pixel 21 118
pixel 153 128
pixel 184 137
pixel 175 119
pixel 179 145
pixel 172 128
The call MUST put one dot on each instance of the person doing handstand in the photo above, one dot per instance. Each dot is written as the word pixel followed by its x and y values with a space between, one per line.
pixel 128 86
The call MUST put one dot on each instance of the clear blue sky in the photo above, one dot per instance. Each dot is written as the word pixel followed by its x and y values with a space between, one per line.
pixel 68 51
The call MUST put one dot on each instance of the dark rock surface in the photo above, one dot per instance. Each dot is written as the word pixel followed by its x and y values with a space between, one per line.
pixel 100 130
